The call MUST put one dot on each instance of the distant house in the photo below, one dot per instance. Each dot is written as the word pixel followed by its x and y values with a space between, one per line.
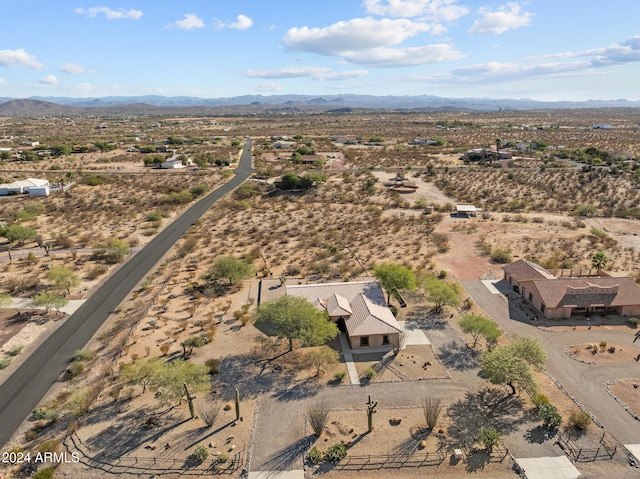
pixel 562 297
pixel 31 186
pixel 479 154
pixel 173 163
pixel 601 126
pixel 357 307
pixel 466 210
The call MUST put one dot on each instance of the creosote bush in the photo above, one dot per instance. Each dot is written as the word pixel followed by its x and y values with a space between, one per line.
pixel 199 454
pixel 580 420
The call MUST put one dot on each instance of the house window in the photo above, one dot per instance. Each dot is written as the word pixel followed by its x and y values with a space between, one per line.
pixel 542 308
pixel 364 340
pixel 530 296
pixel 385 339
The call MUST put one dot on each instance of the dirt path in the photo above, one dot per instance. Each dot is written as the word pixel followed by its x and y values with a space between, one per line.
pixel 462 260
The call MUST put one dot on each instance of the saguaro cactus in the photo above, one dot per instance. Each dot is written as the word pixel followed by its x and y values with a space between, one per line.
pixel 190 399
pixel 237 404
pixel 371 410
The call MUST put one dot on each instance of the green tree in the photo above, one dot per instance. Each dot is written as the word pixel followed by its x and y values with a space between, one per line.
pixel 18 233
pixel 47 300
pixel 489 437
pixel 394 278
pixel 141 372
pixel 63 278
pixel 438 291
pixel 322 356
pixel 550 416
pixel 477 326
pixel 511 364
pixel 168 383
pixel 229 268
pixel 191 343
pixel 599 261
pixel 113 250
pixel 296 318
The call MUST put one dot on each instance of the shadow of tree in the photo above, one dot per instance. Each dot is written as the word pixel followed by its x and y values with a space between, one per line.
pixel 302 390
pixel 539 434
pixel 425 320
pixel 477 460
pixel 458 356
pixel 131 433
pixel 285 459
pixel 412 443
pixel 490 407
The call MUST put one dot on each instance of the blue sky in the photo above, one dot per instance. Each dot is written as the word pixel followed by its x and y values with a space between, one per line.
pixel 539 49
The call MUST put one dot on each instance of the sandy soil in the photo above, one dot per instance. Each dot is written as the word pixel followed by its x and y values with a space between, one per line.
pixel 603 355
pixel 392 437
pixel 627 391
pixel 413 362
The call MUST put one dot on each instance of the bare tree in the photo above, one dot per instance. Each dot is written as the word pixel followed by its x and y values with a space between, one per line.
pixel 318 415
pixel 208 412
pixel 432 408
pixel 398 342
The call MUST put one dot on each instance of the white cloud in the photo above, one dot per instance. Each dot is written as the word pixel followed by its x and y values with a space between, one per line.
pixel 627 51
pixel 189 22
pixel 409 56
pixel 356 35
pixel 109 13
pixel 242 23
pixel 19 58
pixel 2 81
pixel 267 87
pixel 436 10
pixel 316 73
pixel 74 69
pixel 505 18
pixel 49 80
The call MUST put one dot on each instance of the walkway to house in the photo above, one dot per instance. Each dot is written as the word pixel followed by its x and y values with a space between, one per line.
pixel 549 468
pixel 348 359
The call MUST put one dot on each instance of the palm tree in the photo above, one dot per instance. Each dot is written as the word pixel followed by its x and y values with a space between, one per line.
pixel 599 261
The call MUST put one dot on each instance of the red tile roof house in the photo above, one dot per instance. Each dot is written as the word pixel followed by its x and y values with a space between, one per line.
pixel 562 297
pixel 357 307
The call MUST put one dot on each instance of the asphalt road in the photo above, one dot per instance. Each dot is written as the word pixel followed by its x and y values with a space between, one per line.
pixel 584 381
pixel 24 389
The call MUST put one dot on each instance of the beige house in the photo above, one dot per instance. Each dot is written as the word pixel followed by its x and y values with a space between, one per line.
pixel 358 308
pixel 561 297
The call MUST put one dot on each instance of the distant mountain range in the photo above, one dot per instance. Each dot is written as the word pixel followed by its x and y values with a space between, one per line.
pixel 275 104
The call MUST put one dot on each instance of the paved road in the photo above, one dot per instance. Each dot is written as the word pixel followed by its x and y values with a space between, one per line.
pixel 584 381
pixel 22 391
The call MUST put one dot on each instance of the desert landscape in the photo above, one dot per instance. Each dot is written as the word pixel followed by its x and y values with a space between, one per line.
pixel 182 380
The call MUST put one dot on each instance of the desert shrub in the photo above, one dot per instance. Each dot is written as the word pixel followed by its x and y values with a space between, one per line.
pixel 4 363
pixel 603 344
pixel 489 437
pixel 209 412
pixel 47 473
pixel 15 350
pixel 370 373
pixel 339 375
pixel 51 445
pixel 200 454
pixel 164 349
pixel 550 416
pixel 82 355
pixel 612 349
pixel 199 190
pixel 92 180
pixel 501 256
pixel 75 369
pixel 223 457
pixel 316 456
pixel 539 399
pixel 318 415
pixel 431 408
pixel 96 271
pixel 633 322
pixel 40 414
pixel 155 216
pixel 336 453
pixel 213 366
pixel 580 419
